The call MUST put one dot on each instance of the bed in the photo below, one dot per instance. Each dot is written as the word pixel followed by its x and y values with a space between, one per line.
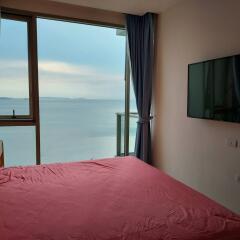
pixel 109 199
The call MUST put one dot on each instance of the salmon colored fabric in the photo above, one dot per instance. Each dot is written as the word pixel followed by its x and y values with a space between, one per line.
pixel 109 199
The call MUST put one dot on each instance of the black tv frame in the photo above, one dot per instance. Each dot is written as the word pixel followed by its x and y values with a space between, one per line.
pixel 205 61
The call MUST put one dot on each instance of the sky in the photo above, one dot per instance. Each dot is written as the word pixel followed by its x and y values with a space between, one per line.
pixel 75 60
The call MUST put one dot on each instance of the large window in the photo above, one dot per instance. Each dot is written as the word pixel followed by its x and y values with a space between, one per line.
pixel 81 88
pixel 15 91
pixel 69 97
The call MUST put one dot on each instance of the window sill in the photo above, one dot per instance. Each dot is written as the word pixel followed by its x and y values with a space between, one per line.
pixel 17 122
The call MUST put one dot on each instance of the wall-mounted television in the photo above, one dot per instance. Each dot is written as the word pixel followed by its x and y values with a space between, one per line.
pixel 214 89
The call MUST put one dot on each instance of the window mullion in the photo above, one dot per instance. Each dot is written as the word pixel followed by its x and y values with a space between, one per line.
pixel 34 83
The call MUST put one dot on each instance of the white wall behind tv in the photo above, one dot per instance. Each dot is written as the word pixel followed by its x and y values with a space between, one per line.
pixel 194 150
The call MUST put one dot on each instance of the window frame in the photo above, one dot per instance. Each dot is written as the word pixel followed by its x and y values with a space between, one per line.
pixel 33 119
pixel 28 118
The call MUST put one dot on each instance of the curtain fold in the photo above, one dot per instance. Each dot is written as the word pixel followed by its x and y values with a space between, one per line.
pixel 140 32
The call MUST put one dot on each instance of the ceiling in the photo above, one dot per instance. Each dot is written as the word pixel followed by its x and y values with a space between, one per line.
pixel 125 6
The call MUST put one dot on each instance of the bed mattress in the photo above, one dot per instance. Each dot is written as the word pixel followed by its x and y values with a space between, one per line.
pixel 108 199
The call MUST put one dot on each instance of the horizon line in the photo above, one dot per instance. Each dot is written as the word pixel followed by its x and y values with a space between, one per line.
pixel 69 98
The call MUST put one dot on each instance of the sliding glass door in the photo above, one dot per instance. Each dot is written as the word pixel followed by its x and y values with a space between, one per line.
pixel 81 89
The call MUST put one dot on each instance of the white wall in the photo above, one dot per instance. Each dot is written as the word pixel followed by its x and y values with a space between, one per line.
pixel 194 150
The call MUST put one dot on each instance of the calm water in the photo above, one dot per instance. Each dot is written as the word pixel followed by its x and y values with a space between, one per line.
pixel 71 130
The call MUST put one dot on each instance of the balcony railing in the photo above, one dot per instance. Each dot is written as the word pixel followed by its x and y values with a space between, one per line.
pixel 133 118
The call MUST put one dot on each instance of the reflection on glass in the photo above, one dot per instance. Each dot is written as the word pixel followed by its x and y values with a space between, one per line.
pixel 19 145
pixel 14 90
pixel 81 83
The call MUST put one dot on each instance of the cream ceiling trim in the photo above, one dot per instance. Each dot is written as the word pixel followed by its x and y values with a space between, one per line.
pixel 126 6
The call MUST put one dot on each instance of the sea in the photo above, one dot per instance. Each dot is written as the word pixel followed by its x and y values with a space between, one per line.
pixel 71 130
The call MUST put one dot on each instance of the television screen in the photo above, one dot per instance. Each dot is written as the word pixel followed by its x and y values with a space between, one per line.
pixel 214 89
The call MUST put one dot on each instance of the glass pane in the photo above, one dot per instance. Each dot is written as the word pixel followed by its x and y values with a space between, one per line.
pixel 81 81
pixel 14 91
pixel 19 145
pixel 133 119
pixel 132 131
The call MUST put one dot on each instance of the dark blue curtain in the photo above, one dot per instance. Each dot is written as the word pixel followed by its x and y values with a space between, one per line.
pixel 140 31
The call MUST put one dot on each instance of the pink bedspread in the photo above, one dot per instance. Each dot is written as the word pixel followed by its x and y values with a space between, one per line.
pixel 109 199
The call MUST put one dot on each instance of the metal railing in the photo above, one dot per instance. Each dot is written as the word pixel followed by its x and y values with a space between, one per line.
pixel 121 131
